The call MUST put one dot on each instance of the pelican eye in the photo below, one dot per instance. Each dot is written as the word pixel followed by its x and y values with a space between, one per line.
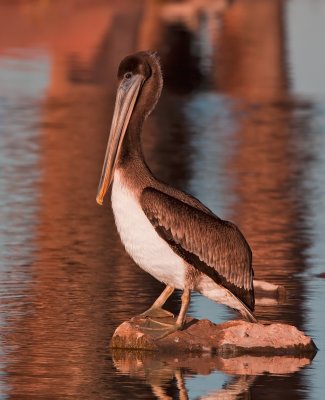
pixel 128 75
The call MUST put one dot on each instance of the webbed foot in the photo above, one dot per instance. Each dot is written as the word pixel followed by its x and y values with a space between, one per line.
pixel 159 329
pixel 157 312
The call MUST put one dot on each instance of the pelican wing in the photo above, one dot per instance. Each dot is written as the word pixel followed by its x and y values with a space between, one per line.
pixel 215 247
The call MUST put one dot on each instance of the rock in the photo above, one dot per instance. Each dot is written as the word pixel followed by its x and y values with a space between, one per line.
pixel 229 339
pixel 267 293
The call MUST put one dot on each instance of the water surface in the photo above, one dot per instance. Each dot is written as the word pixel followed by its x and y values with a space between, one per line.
pixel 240 125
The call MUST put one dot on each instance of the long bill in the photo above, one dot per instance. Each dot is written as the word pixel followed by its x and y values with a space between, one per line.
pixel 126 97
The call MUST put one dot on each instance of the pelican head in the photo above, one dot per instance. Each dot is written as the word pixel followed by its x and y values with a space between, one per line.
pixel 139 88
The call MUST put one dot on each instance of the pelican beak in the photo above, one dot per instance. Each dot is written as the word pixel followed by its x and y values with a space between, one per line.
pixel 126 97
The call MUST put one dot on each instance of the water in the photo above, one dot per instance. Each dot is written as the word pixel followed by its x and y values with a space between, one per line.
pixel 240 125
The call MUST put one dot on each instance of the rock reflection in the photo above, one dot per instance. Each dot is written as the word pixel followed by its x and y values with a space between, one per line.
pixel 167 374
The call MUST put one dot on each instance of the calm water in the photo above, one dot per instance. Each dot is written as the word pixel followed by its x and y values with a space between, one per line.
pixel 241 125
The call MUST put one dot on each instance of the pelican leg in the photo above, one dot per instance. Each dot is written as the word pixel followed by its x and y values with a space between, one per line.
pixel 162 329
pixel 156 310
pixel 186 298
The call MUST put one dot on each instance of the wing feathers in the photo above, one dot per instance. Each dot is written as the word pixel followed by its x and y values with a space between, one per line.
pixel 215 247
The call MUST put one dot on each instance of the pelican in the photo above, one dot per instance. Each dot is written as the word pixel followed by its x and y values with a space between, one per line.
pixel 167 232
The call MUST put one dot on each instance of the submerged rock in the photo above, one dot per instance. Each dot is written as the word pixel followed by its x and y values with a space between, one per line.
pixel 268 294
pixel 231 338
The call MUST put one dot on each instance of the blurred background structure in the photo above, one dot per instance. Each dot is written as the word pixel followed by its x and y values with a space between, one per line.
pixel 240 125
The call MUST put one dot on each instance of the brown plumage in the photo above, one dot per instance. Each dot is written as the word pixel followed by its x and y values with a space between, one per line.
pixel 194 249
pixel 215 247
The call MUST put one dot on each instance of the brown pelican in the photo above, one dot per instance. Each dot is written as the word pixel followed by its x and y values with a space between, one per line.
pixel 167 232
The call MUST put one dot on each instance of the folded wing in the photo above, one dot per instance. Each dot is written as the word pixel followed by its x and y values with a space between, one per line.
pixel 215 247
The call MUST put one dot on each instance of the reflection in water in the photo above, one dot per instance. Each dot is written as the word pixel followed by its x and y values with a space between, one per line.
pixel 270 203
pixel 19 156
pixel 227 129
pixel 171 376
